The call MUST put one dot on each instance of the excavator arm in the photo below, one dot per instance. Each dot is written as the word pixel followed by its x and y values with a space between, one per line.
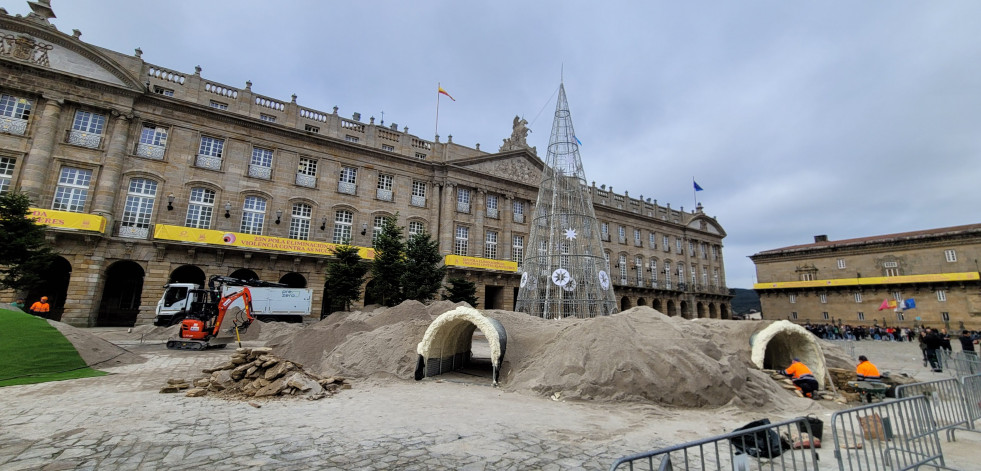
pixel 226 302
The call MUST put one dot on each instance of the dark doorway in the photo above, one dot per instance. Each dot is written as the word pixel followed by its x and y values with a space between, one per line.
pixel 641 302
pixel 294 280
pixel 368 298
pixel 55 287
pixel 514 300
pixel 187 274
pixel 625 303
pixel 656 304
pixel 244 274
pixel 121 295
pixel 493 297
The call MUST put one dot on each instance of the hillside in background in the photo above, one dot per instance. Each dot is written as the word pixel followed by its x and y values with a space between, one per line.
pixel 744 299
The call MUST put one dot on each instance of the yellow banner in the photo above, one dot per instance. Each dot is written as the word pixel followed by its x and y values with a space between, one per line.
pixel 68 220
pixel 476 262
pixel 237 239
pixel 875 280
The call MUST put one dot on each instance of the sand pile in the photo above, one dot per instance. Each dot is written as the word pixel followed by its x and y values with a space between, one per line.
pixel 96 352
pixel 257 331
pixel 637 355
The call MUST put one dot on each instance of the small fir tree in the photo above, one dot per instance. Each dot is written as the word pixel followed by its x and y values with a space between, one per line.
pixel 424 273
pixel 461 290
pixel 24 254
pixel 344 277
pixel 388 268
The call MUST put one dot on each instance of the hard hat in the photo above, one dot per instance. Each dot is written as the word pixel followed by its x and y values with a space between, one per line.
pixel 44 298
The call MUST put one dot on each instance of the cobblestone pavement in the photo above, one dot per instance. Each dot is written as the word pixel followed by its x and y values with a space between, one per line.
pixel 120 421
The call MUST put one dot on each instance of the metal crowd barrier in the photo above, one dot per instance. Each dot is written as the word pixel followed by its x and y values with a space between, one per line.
pixel 972 397
pixel 947 403
pixel 764 447
pixel 889 435
pixel 962 364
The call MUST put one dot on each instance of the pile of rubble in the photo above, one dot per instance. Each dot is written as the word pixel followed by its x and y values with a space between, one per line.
pixel 841 377
pixel 255 372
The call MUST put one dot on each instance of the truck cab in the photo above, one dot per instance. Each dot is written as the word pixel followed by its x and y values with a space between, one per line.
pixel 175 302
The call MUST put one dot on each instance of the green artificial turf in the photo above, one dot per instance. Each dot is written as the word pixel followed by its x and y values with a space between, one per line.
pixel 32 351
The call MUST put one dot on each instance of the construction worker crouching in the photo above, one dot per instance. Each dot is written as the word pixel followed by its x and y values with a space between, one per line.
pixel 802 377
pixel 866 371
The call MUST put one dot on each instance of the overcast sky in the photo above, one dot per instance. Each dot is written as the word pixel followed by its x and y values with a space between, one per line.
pixel 797 118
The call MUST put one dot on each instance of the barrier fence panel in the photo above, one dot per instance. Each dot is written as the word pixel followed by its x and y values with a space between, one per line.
pixel 778 446
pixel 889 435
pixel 946 400
pixel 972 397
pixel 963 364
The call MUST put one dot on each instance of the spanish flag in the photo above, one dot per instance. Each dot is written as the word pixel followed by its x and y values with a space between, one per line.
pixel 887 304
pixel 444 92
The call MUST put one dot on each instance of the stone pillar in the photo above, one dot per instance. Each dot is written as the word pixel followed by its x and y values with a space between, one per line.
pixel 448 234
pixel 112 164
pixel 38 163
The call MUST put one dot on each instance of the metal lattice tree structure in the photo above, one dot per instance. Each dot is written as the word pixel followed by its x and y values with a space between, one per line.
pixel 564 269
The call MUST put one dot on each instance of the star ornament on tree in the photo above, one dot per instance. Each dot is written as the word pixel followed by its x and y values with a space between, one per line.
pixel 570 234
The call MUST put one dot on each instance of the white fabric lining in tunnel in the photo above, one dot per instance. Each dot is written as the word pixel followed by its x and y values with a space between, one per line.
pixel 448 339
pixel 776 345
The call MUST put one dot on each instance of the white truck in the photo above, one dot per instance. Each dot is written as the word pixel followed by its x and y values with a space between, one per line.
pixel 270 301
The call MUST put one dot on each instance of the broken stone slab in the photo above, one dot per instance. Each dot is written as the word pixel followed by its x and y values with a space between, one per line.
pixel 173 381
pixel 278 370
pixel 201 383
pixel 196 392
pixel 169 390
pixel 303 383
pixel 272 389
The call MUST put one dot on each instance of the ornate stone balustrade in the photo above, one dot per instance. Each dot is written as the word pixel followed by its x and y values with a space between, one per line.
pixel 208 161
pixel 259 171
pixel 13 125
pixel 84 139
pixel 150 151
pixel 308 181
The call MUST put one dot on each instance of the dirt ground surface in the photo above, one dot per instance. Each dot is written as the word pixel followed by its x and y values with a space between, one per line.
pixel 386 421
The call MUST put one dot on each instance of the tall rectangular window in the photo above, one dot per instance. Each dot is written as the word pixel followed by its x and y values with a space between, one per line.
pixel 343 220
pixel 654 270
pixel 637 237
pixel 418 194
pixel 945 316
pixel 347 182
pixel 210 152
pixel 941 295
pixel 652 240
pixel 825 315
pixel 300 221
pixel 200 207
pixel 858 297
pixel 900 316
pixel 492 206
pixel 153 141
pixel 253 215
pixel 416 227
pixel 824 298
pixel 677 243
pixel 138 208
pixel 861 316
pixel 261 164
pixel 461 240
pixel 705 275
pixel 73 190
pixel 518 208
pixel 950 255
pixel 490 244
pixel 841 263
pixel 666 242
pixel 6 173
pixel 517 249
pixel 639 266
pixel 87 129
pixel 463 200
pixel 622 264
pixel 306 172
pixel 385 185
pixel 14 112
pixel 793 315
pixel 377 228
pixel 793 299
pixel 622 233
pixel 691 248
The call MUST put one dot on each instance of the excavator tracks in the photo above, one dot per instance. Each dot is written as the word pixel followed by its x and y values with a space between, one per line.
pixel 186 344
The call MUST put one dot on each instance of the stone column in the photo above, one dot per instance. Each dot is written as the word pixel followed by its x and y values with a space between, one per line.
pixel 112 164
pixel 38 163
pixel 448 234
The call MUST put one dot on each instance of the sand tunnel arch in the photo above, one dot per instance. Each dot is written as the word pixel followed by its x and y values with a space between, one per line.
pixel 776 345
pixel 446 345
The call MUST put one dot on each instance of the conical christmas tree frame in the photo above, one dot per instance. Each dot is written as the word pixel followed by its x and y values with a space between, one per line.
pixel 564 272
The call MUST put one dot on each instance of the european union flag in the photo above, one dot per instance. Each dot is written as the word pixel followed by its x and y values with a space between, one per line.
pixel 697 188
pixel 909 304
pixel 577 140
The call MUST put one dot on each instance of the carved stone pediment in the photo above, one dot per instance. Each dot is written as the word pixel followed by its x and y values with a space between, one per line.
pixel 519 170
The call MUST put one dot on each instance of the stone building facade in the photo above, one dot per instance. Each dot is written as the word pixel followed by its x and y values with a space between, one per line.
pixel 146 175
pixel 847 281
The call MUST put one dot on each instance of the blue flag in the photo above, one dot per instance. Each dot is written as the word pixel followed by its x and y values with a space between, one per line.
pixel 909 304
pixel 697 188
pixel 577 140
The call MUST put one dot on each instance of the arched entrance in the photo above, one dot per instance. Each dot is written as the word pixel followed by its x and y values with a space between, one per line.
pixel 776 345
pixel 624 303
pixel 187 274
pixel 448 343
pixel 121 295
pixel 700 310
pixel 724 311
pixel 671 309
pixel 54 286
pixel 368 298
pixel 641 302
pixel 685 310
pixel 293 280
pixel 656 304
pixel 713 312
pixel 244 274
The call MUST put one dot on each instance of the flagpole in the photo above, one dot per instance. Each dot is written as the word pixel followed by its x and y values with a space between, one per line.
pixel 438 85
pixel 694 196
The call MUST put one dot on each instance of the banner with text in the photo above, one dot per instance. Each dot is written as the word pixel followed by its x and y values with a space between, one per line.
pixel 476 262
pixel 68 220
pixel 237 239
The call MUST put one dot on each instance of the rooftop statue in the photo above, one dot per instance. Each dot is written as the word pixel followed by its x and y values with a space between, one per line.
pixel 519 135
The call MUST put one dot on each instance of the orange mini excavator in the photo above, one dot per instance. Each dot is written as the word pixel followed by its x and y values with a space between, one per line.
pixel 202 328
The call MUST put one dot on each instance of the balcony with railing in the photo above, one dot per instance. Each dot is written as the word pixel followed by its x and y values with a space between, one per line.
pixel 309 181
pixel 132 231
pixel 463 207
pixel 260 171
pixel 417 200
pixel 347 188
pixel 84 139
pixel 384 195
pixel 150 151
pixel 519 218
pixel 492 213
pixel 13 125
pixel 208 161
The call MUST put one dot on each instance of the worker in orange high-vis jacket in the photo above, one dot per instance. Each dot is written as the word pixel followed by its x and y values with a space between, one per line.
pixel 41 308
pixel 802 377
pixel 866 371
